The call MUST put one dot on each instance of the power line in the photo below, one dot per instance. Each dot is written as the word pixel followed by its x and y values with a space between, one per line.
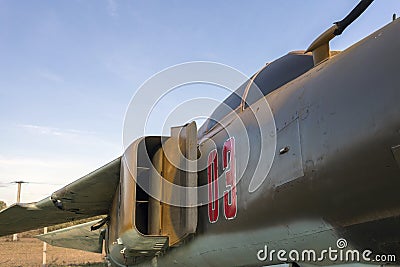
pixel 7 184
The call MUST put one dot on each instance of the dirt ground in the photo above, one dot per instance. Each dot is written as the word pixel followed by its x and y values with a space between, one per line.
pixel 27 251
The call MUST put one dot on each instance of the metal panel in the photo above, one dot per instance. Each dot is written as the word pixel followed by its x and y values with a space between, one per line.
pixel 77 237
pixel 288 163
pixel 131 242
pixel 179 168
pixel 146 232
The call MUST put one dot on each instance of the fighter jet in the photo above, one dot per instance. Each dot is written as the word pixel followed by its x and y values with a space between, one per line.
pixel 330 188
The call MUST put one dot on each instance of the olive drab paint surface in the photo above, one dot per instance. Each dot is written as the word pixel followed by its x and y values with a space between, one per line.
pixel 335 174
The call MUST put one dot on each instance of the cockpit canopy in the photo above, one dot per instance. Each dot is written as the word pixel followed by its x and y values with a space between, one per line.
pixel 270 78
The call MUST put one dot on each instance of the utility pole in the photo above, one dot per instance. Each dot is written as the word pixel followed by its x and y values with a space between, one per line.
pixel 44 249
pixel 19 183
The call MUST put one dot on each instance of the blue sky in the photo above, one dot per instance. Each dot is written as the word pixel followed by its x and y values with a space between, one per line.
pixel 68 69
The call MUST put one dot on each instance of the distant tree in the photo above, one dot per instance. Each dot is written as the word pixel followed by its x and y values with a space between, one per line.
pixel 3 205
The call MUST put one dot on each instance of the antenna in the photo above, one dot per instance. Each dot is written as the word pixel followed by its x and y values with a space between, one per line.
pixel 352 16
pixel 320 47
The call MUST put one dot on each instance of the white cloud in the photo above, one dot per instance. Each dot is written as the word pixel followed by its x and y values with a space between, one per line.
pixel 23 162
pixel 46 130
pixel 112 8
pixel 44 175
pixel 49 75
pixel 51 155
pixel 71 138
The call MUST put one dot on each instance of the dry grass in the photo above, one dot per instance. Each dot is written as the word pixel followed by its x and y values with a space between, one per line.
pixel 27 251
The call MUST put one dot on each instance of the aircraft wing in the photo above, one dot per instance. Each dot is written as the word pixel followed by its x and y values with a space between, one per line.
pixel 77 237
pixel 86 197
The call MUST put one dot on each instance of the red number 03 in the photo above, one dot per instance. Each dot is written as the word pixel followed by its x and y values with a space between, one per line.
pixel 229 168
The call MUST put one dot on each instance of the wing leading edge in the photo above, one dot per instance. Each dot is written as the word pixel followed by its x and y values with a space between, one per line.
pixel 86 197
